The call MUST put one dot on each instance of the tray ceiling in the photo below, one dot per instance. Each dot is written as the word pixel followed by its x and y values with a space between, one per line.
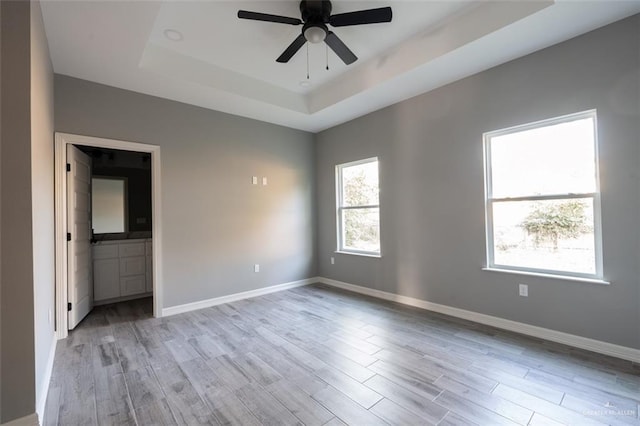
pixel 200 53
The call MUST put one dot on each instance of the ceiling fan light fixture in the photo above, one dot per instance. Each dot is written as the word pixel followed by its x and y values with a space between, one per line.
pixel 315 34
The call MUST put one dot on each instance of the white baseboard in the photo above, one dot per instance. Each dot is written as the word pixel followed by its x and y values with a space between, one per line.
pixel 30 420
pixel 44 390
pixel 593 345
pixel 187 307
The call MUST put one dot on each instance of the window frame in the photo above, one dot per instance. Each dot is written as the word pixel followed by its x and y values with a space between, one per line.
pixel 340 208
pixel 595 196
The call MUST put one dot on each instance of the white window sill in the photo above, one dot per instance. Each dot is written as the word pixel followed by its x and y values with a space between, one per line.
pixel 542 275
pixel 354 253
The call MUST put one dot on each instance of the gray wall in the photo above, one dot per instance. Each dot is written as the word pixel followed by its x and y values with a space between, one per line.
pixel 17 311
pixel 215 224
pixel 432 195
pixel 42 196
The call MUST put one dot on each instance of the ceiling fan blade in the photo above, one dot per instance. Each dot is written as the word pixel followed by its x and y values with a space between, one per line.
pixel 256 16
pixel 292 49
pixel 361 17
pixel 340 48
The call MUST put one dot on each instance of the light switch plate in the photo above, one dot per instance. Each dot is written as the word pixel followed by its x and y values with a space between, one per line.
pixel 254 180
pixel 264 181
pixel 256 268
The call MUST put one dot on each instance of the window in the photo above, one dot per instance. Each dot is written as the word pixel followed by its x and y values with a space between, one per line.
pixel 358 207
pixel 542 197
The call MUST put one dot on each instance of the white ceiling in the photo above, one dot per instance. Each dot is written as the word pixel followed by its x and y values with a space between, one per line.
pixel 227 64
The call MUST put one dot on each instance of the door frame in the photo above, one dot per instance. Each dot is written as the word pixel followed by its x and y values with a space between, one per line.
pixel 60 199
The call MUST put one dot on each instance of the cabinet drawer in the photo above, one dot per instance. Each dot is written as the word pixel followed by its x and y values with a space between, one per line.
pixel 132 266
pixel 107 251
pixel 132 249
pixel 132 285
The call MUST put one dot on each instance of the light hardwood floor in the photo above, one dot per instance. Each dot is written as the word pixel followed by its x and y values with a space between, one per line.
pixel 316 355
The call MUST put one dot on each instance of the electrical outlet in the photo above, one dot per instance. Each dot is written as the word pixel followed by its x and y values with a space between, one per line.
pixel 524 290
pixel 333 260
pixel 256 268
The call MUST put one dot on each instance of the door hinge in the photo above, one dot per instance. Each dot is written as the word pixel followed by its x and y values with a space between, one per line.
pixel 68 236
pixel 69 306
pixel 68 167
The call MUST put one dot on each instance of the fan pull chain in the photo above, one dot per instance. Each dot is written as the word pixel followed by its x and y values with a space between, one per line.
pixel 307 61
pixel 327 52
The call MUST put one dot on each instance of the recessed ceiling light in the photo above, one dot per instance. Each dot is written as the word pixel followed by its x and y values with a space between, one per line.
pixel 305 83
pixel 173 35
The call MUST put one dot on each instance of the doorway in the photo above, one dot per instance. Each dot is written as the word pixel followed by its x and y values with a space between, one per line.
pixel 139 233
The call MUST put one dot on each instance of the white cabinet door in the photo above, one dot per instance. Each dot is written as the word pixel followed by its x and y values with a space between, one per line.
pixel 132 285
pixel 132 266
pixel 106 278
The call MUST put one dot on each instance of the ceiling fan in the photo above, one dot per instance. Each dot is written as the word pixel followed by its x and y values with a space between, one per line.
pixel 316 15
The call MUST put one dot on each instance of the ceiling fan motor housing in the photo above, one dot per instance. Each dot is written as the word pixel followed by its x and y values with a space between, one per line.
pixel 315 11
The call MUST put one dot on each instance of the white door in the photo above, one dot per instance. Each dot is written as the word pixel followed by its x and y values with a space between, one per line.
pixel 79 268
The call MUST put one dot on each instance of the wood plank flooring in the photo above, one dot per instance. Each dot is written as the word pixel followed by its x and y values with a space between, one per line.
pixel 319 356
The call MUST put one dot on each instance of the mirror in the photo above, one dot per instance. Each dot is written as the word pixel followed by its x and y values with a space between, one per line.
pixel 109 204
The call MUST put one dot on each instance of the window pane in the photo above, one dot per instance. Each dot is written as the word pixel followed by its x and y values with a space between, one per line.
pixel 555 235
pixel 555 159
pixel 360 185
pixel 361 229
